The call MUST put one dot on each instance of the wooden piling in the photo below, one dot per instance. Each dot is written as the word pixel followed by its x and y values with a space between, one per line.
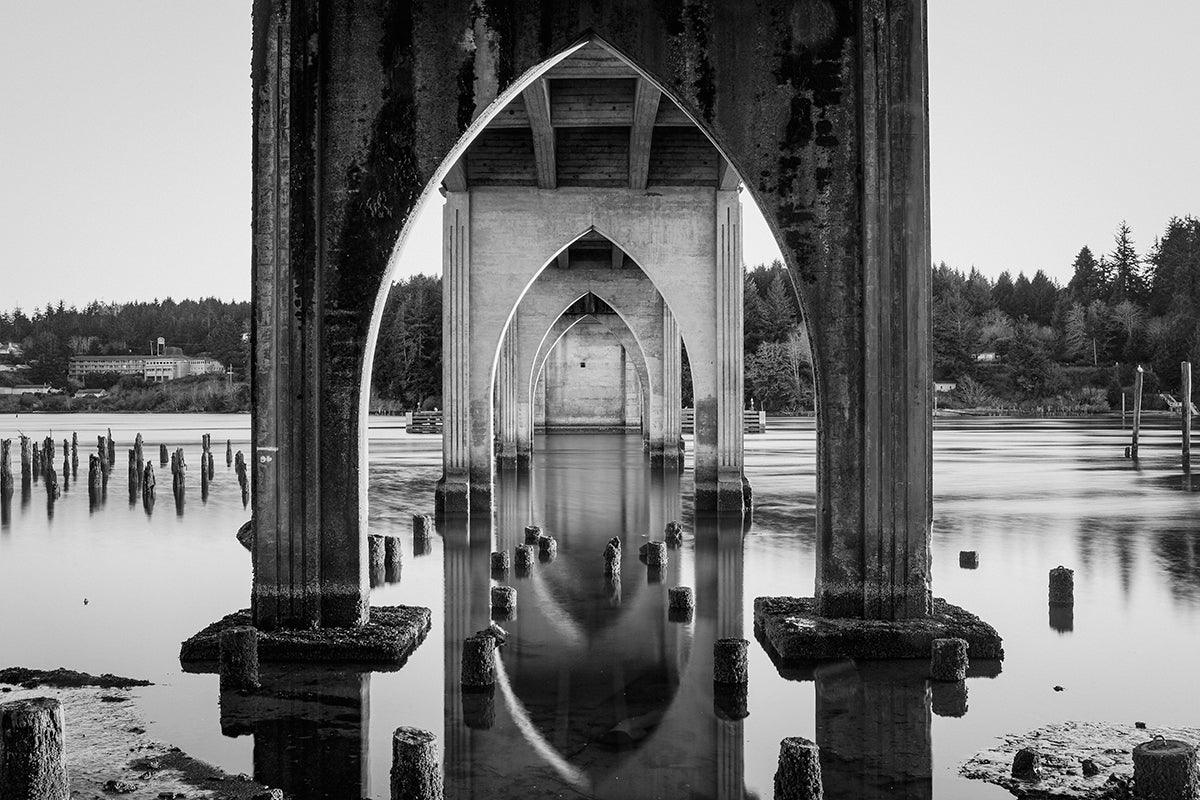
pixel 36 464
pixel 1185 413
pixel 730 661
pixel 26 467
pixel 112 450
pixel 948 660
pixel 139 455
pixel 66 481
pixel 228 452
pixel 1165 769
pixel 239 658
pixel 74 453
pixel 94 477
pixel 31 750
pixel 798 776
pixel 1137 412
pixel 148 481
pixel 6 479
pixel 51 478
pixel 1062 586
pixel 478 662
pixel 163 457
pixel 416 767
pixel 135 475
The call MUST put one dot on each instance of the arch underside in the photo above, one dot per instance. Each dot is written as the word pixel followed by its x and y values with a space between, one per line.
pixel 822 106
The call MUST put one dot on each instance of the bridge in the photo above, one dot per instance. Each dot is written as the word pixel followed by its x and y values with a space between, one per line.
pixel 590 150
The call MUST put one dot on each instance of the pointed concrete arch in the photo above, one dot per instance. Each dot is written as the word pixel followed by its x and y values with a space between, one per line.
pixel 823 105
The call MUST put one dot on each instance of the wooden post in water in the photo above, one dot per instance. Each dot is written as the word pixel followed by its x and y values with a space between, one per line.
pixel 94 477
pixel 112 450
pixel 1137 412
pixel 1185 413
pixel 31 750
pixel 36 463
pixel 135 477
pixel 163 458
pixel 6 479
pixel 139 455
pixel 228 452
pixel 74 453
pixel 25 465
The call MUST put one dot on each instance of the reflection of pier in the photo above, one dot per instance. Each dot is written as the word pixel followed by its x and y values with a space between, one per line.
pixel 609 700
pixel 310 729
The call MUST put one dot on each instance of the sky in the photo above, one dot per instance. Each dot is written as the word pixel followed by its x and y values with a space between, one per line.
pixel 125 138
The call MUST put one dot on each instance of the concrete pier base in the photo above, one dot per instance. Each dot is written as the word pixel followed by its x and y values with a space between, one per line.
pixel 385 642
pixel 791 631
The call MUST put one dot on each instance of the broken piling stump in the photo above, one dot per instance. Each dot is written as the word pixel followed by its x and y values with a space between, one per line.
pixel 523 556
pixel 422 526
pixel 6 479
pixel 1165 769
pixel 376 560
pixel 478 662
pixel 730 661
pixel 547 547
pixel 532 534
pixel 612 559
pixel 673 534
pixel 393 558
pixel 798 776
pixel 500 562
pixel 948 660
pixel 1062 586
pixel 162 455
pixel 31 750
pixel 239 658
pixel 681 603
pixel 416 768
pixel 968 559
pixel 655 554
pixel 1027 765
pixel 504 602
pixel 949 699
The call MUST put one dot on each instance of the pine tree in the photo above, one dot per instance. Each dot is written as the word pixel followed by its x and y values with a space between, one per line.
pixel 1087 280
pixel 1128 280
pixel 1002 292
pixel 1175 261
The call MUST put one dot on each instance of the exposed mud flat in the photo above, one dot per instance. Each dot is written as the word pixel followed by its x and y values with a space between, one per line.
pixel 1063 746
pixel 108 753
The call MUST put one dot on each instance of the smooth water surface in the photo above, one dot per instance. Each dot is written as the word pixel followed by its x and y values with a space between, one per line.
pixel 601 693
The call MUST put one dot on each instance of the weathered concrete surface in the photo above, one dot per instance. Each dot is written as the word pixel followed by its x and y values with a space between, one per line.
pixel 792 630
pixel 386 642
pixel 1063 746
pixel 107 741
pixel 820 104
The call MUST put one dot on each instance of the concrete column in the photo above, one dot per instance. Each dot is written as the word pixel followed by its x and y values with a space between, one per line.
pixel 453 491
pixel 506 404
pixel 874 425
pixel 729 349
pixel 672 392
pixel 309 565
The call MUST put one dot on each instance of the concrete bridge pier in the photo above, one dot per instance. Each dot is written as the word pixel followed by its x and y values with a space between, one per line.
pixel 453 494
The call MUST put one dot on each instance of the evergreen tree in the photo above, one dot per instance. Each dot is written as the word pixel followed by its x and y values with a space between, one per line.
pixel 978 292
pixel 1175 261
pixel 1087 280
pixel 1128 280
pixel 1043 296
pixel 1002 292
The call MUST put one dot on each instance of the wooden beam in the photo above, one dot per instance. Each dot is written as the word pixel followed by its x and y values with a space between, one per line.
pixel 727 177
pixel 537 105
pixel 641 133
pixel 456 178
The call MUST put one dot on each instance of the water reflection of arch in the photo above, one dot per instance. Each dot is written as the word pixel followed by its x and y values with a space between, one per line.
pixel 541 740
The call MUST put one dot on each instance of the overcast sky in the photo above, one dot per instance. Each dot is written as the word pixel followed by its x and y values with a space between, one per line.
pixel 125 140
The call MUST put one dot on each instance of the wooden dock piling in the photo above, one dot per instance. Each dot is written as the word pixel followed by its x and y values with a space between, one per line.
pixel 6 479
pixel 416 766
pixel 31 750
pixel 26 466
pixel 74 453
pixel 1137 412
pixel 1185 413
pixel 163 457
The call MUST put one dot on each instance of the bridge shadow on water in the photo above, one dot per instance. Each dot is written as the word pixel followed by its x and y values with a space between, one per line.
pixel 601 691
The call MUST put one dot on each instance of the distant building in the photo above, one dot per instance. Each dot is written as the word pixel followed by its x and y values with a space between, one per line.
pixel 29 388
pixel 92 393
pixel 161 365
pixel 986 358
pixel 943 387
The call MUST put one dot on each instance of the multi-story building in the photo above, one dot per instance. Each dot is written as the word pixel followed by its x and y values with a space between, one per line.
pixel 164 364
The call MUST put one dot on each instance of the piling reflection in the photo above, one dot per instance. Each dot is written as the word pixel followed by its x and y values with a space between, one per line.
pixel 310 729
pixel 599 692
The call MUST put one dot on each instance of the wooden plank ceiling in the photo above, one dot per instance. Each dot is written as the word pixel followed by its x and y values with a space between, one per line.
pixel 590 121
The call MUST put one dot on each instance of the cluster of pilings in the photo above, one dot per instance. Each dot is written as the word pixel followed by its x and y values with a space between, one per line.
pixel 384 560
pixel 1185 415
pixel 38 466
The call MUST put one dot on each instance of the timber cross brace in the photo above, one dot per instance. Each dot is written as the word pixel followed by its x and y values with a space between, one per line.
pixel 361 108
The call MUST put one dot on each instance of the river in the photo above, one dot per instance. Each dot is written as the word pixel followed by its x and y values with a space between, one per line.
pixel 601 694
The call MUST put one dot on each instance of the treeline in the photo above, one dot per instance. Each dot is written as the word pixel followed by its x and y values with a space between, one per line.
pixel 49 336
pixel 1028 341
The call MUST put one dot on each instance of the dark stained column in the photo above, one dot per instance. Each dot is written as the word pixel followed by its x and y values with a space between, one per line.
pixel 868 304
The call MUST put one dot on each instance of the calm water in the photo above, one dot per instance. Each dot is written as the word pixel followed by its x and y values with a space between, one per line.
pixel 600 694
